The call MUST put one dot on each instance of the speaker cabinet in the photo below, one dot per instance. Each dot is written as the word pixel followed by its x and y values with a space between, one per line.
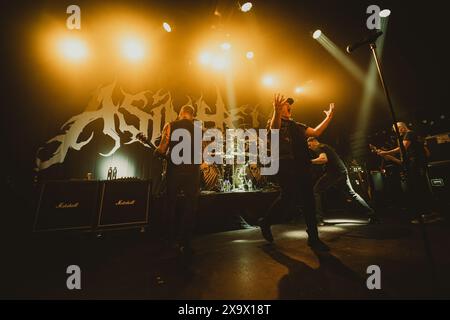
pixel 67 205
pixel 439 180
pixel 124 203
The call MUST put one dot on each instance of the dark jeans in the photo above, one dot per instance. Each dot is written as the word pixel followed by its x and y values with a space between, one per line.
pixel 295 184
pixel 342 182
pixel 417 192
pixel 180 229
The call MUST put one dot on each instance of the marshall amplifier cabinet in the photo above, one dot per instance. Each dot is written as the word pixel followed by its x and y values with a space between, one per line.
pixel 67 205
pixel 124 203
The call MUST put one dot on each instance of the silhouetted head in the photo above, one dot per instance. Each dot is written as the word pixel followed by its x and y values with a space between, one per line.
pixel 186 112
pixel 402 128
pixel 286 110
pixel 313 143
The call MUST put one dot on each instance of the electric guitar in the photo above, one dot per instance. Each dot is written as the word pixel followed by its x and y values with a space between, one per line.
pixel 146 141
pixel 399 162
pixel 385 157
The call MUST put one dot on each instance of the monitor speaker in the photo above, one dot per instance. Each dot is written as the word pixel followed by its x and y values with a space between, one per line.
pixel 439 180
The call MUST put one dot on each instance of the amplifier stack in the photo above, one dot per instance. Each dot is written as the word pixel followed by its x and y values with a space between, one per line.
pixel 92 205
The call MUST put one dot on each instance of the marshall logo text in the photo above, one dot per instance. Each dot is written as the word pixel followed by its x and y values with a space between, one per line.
pixel 63 205
pixel 125 202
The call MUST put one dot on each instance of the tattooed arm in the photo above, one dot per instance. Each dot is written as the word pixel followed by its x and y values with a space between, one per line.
pixel 165 139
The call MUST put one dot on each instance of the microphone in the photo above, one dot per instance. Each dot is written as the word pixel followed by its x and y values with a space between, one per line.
pixel 371 38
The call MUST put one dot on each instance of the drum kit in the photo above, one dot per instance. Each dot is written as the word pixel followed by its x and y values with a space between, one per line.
pixel 232 177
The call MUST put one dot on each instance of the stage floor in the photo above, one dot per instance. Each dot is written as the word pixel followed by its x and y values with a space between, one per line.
pixel 235 265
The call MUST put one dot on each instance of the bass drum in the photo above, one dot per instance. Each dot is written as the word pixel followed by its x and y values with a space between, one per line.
pixel 210 177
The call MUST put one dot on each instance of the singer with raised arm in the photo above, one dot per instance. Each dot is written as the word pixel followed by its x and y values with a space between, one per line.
pixel 294 173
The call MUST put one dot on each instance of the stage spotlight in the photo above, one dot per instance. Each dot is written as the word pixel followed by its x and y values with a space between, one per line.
pixel 299 90
pixel 339 55
pixel 167 27
pixel 268 81
pixel 250 55
pixel 225 46
pixel 317 34
pixel 205 58
pixel 133 49
pixel 385 13
pixel 246 7
pixel 73 49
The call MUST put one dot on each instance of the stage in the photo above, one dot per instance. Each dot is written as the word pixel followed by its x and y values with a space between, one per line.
pixel 237 264
pixel 118 113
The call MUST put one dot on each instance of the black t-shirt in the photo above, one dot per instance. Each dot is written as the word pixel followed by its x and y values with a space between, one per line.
pixel 335 165
pixel 293 146
pixel 286 150
pixel 183 168
pixel 293 143
pixel 415 151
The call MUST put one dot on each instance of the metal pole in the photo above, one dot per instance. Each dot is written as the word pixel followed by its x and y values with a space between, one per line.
pixel 426 241
pixel 373 47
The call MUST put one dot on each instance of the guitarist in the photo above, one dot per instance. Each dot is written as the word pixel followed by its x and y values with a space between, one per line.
pixel 183 177
pixel 416 174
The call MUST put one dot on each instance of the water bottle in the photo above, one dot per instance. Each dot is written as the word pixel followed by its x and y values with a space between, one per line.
pixel 249 185
pixel 109 177
pixel 114 174
pixel 226 186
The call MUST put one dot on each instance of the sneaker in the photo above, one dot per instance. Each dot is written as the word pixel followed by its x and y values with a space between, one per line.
pixel 373 220
pixel 320 222
pixel 265 230
pixel 428 218
pixel 318 245
pixel 243 224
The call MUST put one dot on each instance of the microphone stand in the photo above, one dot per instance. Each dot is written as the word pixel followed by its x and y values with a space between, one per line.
pixel 404 159
pixel 373 48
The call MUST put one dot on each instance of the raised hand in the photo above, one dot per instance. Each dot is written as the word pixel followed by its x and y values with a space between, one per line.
pixel 278 102
pixel 330 112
